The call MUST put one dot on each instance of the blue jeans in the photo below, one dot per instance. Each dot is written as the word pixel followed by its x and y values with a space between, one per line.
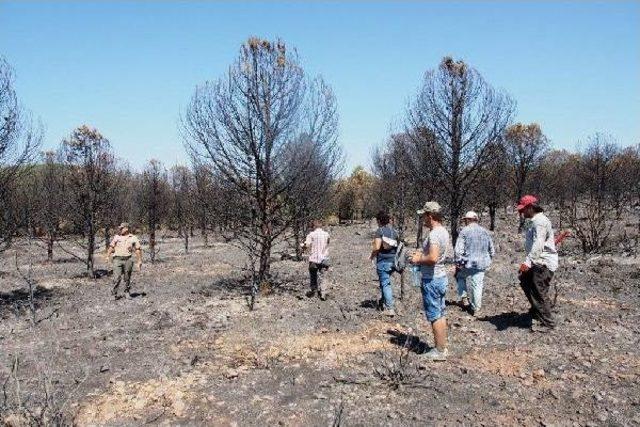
pixel 474 278
pixel 434 290
pixel 385 269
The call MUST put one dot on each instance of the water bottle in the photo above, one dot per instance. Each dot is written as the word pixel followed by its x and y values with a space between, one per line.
pixel 416 275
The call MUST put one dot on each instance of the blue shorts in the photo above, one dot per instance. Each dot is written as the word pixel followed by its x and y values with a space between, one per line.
pixel 434 290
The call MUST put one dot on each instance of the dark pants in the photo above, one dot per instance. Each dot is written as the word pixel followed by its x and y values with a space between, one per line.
pixel 535 283
pixel 316 271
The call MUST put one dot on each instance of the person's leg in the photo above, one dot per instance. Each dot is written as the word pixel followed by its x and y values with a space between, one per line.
pixel 128 270
pixel 461 280
pixel 526 285
pixel 440 334
pixel 322 291
pixel 313 279
pixel 118 271
pixel 433 298
pixel 476 284
pixel 384 275
pixel 540 295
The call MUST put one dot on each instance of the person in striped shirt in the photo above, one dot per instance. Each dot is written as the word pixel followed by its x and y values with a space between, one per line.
pixel 317 243
pixel 474 251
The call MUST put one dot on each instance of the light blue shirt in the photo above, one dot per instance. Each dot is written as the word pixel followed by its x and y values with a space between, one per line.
pixel 474 247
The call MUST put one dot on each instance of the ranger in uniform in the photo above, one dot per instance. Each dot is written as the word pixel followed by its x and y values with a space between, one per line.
pixel 122 248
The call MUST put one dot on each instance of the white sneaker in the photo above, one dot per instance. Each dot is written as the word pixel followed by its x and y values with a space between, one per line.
pixel 436 355
pixel 390 312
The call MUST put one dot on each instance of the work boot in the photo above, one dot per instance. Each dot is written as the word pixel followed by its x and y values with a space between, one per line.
pixel 436 355
pixel 543 328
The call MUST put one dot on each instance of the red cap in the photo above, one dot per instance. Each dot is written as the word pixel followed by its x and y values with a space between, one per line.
pixel 525 201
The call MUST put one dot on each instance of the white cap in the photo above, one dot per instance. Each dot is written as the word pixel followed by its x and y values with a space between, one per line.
pixel 430 207
pixel 470 215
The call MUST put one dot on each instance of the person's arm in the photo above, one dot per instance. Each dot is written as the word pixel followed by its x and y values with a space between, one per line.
pixel 427 259
pixel 307 242
pixel 376 245
pixel 110 249
pixel 458 252
pixel 430 258
pixel 492 248
pixel 138 248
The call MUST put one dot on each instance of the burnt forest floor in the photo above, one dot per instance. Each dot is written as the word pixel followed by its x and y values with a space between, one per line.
pixel 186 350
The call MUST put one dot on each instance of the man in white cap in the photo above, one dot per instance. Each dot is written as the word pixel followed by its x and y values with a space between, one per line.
pixel 474 252
pixel 122 248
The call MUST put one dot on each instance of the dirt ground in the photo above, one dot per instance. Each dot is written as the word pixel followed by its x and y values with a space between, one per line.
pixel 186 350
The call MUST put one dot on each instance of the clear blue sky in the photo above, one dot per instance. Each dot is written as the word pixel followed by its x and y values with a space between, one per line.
pixel 130 68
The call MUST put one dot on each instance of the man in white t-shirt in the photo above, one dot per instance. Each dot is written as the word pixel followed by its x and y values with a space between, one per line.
pixel 434 277
pixel 317 243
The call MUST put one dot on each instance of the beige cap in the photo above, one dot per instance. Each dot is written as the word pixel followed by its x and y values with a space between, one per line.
pixel 124 225
pixel 430 207
pixel 470 215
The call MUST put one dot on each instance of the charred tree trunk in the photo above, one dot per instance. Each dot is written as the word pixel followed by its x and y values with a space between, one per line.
pixel 50 241
pixel 492 217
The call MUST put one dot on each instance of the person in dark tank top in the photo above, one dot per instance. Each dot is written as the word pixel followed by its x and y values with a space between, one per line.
pixel 384 247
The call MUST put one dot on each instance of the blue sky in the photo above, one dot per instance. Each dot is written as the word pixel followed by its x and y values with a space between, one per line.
pixel 130 68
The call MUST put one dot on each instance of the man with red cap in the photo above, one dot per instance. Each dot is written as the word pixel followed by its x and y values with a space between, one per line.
pixel 540 263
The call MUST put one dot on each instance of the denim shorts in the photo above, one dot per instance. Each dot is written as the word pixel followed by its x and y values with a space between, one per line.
pixel 434 290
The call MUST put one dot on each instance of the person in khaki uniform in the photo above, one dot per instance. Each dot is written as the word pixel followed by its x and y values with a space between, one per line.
pixel 122 248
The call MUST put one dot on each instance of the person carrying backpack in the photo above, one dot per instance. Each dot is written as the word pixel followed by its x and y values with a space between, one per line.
pixel 385 246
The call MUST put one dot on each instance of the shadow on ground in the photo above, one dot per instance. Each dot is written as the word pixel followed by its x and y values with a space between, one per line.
pixel 505 321
pixel 373 304
pixel 17 300
pixel 241 286
pixel 410 342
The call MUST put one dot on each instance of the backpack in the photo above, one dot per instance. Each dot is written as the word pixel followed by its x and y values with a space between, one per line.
pixel 400 258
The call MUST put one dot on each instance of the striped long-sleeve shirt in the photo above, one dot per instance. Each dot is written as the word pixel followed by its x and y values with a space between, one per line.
pixel 474 247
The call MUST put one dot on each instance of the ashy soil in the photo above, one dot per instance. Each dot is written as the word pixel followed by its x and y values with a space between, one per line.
pixel 187 351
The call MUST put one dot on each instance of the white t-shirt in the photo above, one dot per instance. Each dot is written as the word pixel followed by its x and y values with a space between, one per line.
pixel 318 243
pixel 439 236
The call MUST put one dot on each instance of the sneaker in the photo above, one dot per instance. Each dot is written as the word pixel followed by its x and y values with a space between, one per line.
pixel 464 301
pixel 475 313
pixel 311 294
pixel 390 312
pixel 436 355
pixel 322 297
pixel 114 291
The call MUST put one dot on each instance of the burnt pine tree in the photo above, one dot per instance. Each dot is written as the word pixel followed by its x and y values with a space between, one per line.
pixel 457 114
pixel 51 179
pixel 182 202
pixel 19 142
pixel 154 199
pixel 245 126
pixel 90 164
